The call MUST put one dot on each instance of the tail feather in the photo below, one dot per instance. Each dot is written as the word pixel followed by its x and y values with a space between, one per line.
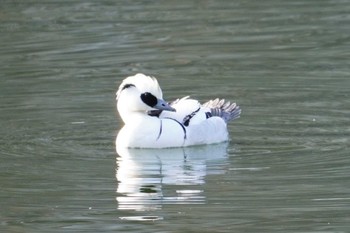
pixel 225 110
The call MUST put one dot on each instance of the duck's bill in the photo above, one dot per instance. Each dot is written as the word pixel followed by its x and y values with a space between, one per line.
pixel 162 105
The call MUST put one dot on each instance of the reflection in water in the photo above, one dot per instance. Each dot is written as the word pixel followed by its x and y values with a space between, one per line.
pixel 149 178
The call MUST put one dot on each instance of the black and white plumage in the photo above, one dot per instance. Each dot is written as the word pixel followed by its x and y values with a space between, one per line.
pixel 150 122
pixel 225 110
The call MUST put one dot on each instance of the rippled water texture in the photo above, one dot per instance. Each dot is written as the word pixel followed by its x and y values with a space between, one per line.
pixel 286 168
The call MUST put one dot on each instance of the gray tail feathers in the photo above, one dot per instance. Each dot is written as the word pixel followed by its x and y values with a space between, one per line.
pixel 225 110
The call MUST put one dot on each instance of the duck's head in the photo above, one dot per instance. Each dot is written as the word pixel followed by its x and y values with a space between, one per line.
pixel 140 93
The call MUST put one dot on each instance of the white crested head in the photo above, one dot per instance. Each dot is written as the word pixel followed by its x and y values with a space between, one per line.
pixel 139 93
pixel 143 83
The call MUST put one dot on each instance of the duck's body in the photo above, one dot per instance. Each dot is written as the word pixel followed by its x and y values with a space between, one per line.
pixel 152 123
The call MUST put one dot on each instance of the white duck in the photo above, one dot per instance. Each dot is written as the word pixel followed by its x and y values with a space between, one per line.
pixel 150 122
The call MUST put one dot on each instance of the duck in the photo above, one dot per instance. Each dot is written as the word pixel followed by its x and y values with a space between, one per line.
pixel 151 122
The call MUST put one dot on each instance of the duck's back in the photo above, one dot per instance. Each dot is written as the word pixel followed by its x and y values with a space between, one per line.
pixel 201 122
pixel 209 131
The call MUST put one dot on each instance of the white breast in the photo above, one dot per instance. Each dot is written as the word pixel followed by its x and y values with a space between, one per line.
pixel 152 132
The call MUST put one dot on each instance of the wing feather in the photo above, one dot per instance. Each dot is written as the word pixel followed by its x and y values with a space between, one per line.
pixel 225 110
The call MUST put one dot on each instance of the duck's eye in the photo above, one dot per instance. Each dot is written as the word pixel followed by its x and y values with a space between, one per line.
pixel 149 99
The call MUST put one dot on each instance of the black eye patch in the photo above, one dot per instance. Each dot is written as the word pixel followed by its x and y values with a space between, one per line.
pixel 149 99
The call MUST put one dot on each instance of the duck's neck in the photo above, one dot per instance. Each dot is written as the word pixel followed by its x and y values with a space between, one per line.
pixel 131 117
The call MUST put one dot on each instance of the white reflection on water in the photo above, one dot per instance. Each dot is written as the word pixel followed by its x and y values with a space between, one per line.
pixel 149 178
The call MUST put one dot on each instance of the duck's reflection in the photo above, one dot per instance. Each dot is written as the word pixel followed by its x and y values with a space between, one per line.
pixel 149 178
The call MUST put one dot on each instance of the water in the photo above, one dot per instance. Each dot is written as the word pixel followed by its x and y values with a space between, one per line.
pixel 286 168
